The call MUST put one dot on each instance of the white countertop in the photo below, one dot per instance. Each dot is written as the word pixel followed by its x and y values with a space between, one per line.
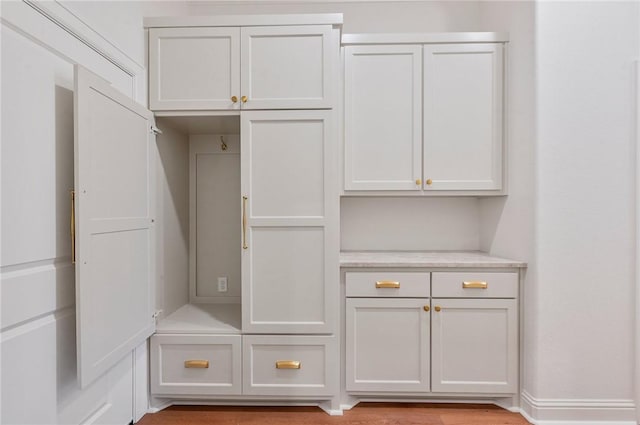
pixel 475 259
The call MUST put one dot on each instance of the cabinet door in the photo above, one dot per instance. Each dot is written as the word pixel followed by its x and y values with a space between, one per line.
pixel 289 67
pixel 463 117
pixel 383 118
pixel 289 261
pixel 387 344
pixel 194 68
pixel 474 346
pixel 114 229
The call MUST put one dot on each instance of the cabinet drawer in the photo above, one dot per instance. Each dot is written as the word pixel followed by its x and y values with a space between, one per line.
pixel 289 365
pixel 387 284
pixel 196 364
pixel 474 285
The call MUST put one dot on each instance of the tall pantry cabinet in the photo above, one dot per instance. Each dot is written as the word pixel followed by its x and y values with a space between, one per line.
pixel 217 228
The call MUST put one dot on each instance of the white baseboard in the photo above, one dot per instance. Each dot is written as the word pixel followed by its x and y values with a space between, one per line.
pixel 577 411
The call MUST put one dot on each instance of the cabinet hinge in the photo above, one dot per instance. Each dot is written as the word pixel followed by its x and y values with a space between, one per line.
pixel 157 313
pixel 155 130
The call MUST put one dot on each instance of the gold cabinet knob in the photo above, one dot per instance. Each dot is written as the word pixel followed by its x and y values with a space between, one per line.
pixel 234 99
pixel 244 99
pixel 437 308
pixel 426 308
pixel 418 182
pixel 429 181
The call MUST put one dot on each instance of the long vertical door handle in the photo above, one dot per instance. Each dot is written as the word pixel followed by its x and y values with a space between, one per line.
pixel 73 226
pixel 244 222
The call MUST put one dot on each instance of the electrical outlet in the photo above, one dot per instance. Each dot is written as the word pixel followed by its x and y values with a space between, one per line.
pixel 222 284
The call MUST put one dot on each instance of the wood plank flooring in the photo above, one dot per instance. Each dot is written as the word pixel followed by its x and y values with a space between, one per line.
pixel 362 414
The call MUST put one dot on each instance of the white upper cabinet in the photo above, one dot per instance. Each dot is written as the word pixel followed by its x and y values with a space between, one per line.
pixel 194 68
pixel 287 67
pixel 383 117
pixel 424 114
pixel 230 68
pixel 463 116
pixel 114 225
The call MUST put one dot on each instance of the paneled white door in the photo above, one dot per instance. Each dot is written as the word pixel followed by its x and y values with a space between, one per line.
pixel 383 117
pixel 194 68
pixel 387 344
pixel 289 257
pixel 288 67
pixel 463 116
pixel 474 346
pixel 115 237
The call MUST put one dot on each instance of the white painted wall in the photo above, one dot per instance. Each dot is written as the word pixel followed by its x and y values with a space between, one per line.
pixel 37 328
pixel 583 351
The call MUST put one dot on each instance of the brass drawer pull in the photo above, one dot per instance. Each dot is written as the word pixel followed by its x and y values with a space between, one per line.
pixel 196 364
pixel 387 284
pixel 244 222
pixel 478 285
pixel 73 227
pixel 287 364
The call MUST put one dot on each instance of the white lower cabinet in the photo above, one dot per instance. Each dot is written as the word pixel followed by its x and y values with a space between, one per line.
pixel 196 364
pixel 453 332
pixel 387 344
pixel 286 365
pixel 474 346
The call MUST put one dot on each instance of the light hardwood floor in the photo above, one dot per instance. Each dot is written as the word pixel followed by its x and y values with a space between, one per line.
pixel 362 414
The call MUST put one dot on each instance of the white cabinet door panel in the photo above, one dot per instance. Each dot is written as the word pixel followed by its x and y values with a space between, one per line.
pixel 114 183
pixel 463 116
pixel 475 346
pixel 383 117
pixel 194 68
pixel 287 67
pixel 290 256
pixel 387 344
pixel 287 277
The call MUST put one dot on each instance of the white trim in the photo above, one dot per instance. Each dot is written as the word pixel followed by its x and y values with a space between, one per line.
pixel 577 411
pixel 243 20
pixel 637 264
pixel 19 15
pixel 436 37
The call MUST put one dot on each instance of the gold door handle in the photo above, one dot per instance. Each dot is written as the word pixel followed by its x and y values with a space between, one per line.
pixel 196 364
pixel 418 182
pixel 244 222
pixel 72 227
pixel 244 99
pixel 387 284
pixel 437 308
pixel 234 99
pixel 478 285
pixel 287 364
pixel 429 182
pixel 426 308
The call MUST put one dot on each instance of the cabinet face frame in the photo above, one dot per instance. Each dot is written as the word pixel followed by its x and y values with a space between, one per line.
pixel 222 100
pixel 352 111
pixel 508 382
pixel 421 334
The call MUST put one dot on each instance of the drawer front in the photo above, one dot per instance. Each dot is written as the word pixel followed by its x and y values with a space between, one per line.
pixel 196 364
pixel 387 284
pixel 474 285
pixel 289 365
